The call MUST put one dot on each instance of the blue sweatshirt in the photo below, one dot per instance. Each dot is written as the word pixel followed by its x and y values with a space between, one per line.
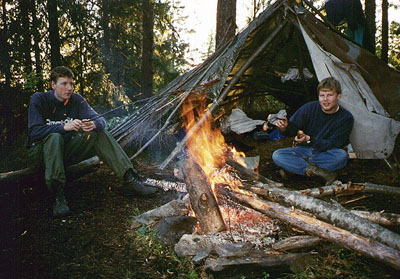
pixel 48 115
pixel 327 131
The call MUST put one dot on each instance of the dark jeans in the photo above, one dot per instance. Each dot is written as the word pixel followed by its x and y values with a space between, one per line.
pixel 53 153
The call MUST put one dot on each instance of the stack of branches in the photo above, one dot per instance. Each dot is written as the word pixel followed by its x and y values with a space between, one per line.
pixel 162 107
pixel 357 230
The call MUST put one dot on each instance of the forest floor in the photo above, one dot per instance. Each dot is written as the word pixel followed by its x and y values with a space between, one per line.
pixel 96 240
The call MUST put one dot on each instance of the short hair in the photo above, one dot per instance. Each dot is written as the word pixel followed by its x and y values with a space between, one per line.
pixel 60 71
pixel 330 83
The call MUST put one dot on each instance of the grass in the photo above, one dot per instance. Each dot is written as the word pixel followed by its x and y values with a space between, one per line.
pixel 159 258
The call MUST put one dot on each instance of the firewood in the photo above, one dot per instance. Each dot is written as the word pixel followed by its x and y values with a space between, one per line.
pixel 166 185
pixel 350 188
pixel 387 219
pixel 249 174
pixel 296 242
pixel 331 213
pixel 313 226
pixel 339 216
pixel 256 259
pixel 202 198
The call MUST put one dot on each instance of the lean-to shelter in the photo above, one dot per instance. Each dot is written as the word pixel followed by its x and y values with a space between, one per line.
pixel 286 37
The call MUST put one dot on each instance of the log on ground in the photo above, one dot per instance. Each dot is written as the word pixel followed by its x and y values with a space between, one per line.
pixel 349 189
pixel 35 174
pixel 331 213
pixel 313 226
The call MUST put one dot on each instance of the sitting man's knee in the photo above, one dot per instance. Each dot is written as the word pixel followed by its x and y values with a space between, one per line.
pixel 342 156
pixel 54 137
pixel 276 155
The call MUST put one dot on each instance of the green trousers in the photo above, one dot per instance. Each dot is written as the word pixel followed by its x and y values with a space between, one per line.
pixel 54 154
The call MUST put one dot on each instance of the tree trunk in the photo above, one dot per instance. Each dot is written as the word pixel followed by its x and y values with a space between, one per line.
pixel 36 47
pixel 309 224
pixel 147 48
pixel 226 22
pixel 25 9
pixel 370 7
pixel 385 31
pixel 54 34
pixel 334 214
pixel 5 48
pixel 202 198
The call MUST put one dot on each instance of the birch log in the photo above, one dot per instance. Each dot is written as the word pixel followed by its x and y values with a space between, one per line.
pixel 350 188
pixel 202 198
pixel 382 218
pixel 331 213
pixel 313 226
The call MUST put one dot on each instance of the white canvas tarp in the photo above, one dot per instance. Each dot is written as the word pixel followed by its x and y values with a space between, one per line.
pixel 374 132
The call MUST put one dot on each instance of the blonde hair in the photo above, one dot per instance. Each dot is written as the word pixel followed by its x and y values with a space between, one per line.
pixel 331 84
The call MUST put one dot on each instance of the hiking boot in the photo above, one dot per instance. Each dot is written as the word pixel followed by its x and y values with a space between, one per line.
pixel 133 185
pixel 60 207
pixel 313 170
pixel 284 174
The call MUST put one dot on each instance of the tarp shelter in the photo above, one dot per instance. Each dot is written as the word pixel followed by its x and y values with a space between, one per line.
pixel 286 36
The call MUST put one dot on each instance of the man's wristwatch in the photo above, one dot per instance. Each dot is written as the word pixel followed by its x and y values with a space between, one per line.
pixel 309 140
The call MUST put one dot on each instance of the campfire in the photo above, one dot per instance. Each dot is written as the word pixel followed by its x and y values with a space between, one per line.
pixel 235 213
pixel 205 171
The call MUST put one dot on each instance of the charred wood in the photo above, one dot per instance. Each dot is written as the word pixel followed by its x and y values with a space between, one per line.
pixel 202 198
pixel 313 226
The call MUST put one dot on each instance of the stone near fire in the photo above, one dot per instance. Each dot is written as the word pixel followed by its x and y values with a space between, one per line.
pixel 170 229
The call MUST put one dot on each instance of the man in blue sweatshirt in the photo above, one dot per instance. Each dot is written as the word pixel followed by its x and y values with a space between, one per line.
pixel 321 129
pixel 61 133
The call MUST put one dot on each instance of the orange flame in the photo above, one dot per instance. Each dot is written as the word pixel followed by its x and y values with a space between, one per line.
pixel 207 145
